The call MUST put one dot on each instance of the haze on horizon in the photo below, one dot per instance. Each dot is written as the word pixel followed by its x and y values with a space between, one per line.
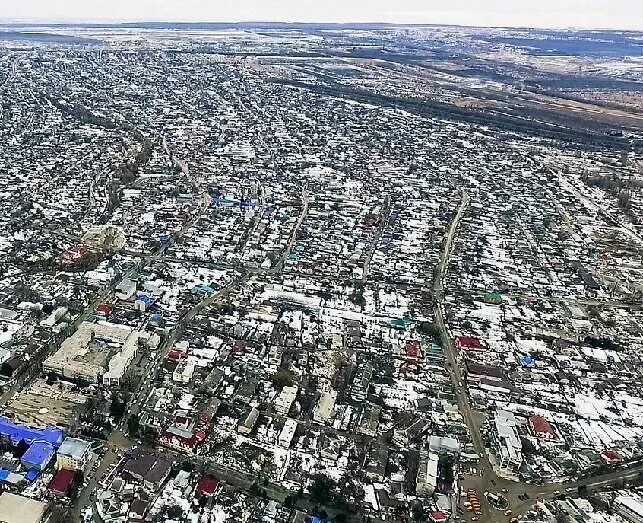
pixel 604 14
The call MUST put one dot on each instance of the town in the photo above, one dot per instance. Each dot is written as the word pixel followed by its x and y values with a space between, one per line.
pixel 314 275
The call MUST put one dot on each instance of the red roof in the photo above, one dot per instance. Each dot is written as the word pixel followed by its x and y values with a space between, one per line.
pixel 176 354
pixel 412 348
pixel 207 485
pixel 611 455
pixel 439 516
pixel 61 481
pixel 468 343
pixel 540 425
pixel 104 308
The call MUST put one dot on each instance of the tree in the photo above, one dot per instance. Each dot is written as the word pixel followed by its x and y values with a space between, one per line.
pixel 322 489
pixel 418 512
pixel 174 512
pixel 341 518
pixel 282 378
pixel 133 424
pixel 117 407
pixel 429 329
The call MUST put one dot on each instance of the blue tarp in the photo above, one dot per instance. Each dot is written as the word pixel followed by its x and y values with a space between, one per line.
pixel 17 433
pixel 4 474
pixel 38 454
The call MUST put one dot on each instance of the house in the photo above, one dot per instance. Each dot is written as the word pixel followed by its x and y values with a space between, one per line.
pixel 249 423
pixel 183 439
pixel 62 482
pixel 611 456
pixel 541 428
pixel 103 309
pixel 207 486
pixel 148 468
pixel 125 289
pixel 468 343
pixel 137 510
pixel 285 399
pixel 324 407
pixel 73 454
pixel 287 433
pixel 38 455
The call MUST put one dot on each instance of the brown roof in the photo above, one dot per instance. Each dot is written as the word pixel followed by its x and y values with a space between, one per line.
pixel 540 425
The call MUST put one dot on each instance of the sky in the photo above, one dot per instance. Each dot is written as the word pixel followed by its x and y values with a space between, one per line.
pixel 613 14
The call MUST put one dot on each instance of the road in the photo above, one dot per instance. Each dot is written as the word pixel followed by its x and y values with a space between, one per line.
pixel 384 215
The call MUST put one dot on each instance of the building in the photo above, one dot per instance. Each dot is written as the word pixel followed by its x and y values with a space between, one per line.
pixel 14 433
pixel 125 289
pixel 147 468
pixel 183 439
pixel 444 445
pixel 98 353
pixel 541 428
pixel 38 455
pixel 630 507
pixel 249 423
pixel 287 433
pixel 62 482
pixel 427 476
pixel 285 399
pixel 207 486
pixel 18 509
pixel 506 440
pixel 73 454
pixel 324 407
pixel 469 343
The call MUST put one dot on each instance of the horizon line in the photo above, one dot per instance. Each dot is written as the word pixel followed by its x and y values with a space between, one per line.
pixel 121 22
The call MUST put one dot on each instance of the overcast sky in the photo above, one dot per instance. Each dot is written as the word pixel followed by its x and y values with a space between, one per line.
pixel 617 14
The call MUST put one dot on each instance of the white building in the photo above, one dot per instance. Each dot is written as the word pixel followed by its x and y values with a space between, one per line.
pixel 287 433
pixel 507 442
pixel 285 400
pixel 324 407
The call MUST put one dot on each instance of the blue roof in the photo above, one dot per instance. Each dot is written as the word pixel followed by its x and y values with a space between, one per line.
pixel 38 454
pixel 32 474
pixel 144 298
pixel 527 361
pixel 4 474
pixel 17 433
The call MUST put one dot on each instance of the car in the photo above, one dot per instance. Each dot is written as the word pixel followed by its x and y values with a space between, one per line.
pixel 556 492
pixel 504 490
pixel 478 512
pixel 508 512
pixel 474 518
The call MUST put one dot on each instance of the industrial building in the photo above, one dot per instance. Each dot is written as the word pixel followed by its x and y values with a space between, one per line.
pixel 98 353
